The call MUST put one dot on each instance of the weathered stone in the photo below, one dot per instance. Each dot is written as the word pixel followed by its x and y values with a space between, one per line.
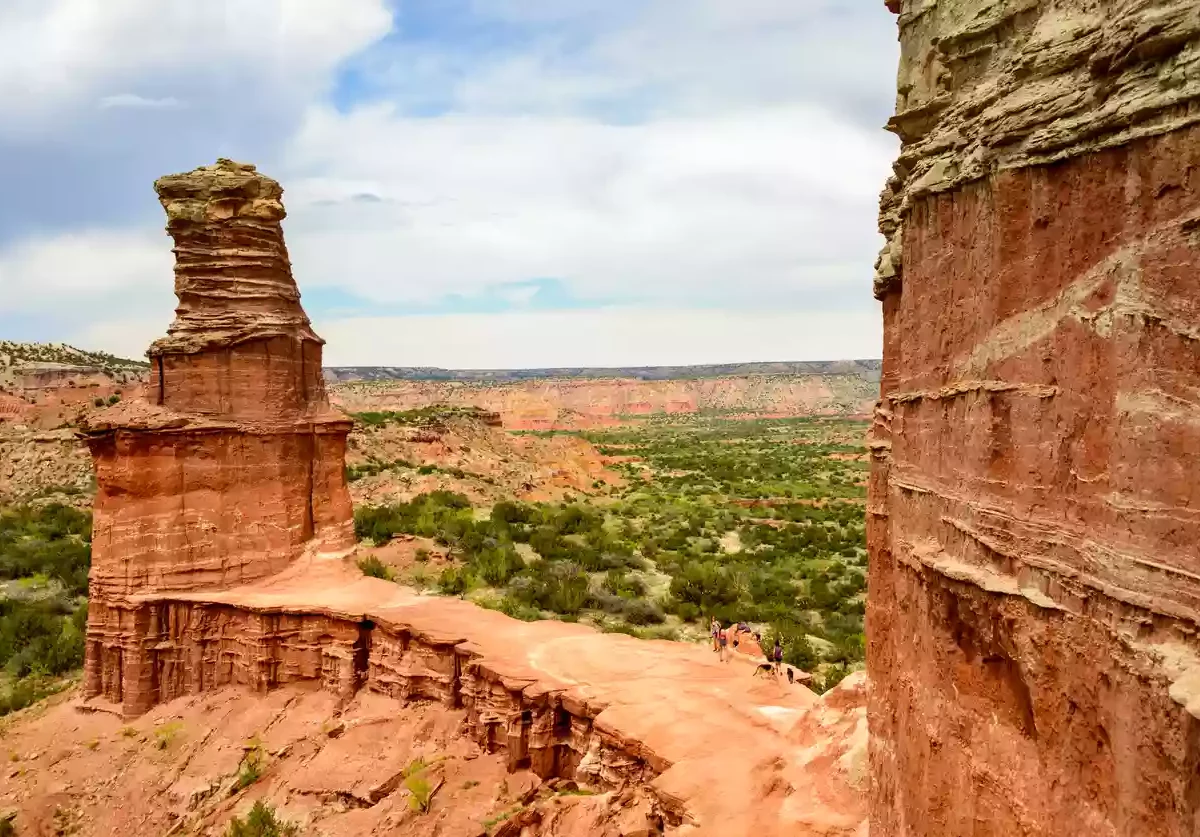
pixel 231 468
pixel 1033 528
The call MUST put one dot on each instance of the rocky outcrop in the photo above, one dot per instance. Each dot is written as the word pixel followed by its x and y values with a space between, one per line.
pixel 1033 526
pixel 222 549
pixel 231 467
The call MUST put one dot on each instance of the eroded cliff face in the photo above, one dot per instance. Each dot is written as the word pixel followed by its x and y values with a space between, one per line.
pixel 1034 514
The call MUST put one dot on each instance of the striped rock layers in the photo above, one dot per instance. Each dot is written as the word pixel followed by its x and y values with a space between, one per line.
pixel 232 467
pixel 1034 515
pixel 1035 500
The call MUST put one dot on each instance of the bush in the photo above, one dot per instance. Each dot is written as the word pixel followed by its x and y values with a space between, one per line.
pixel 510 606
pixel 420 789
pixel 642 612
pixel 560 586
pixel 261 821
pixel 254 762
pixel 52 540
pixel 37 638
pixel 373 567
pixel 454 581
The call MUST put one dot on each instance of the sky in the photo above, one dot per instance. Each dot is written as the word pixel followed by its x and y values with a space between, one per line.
pixel 469 183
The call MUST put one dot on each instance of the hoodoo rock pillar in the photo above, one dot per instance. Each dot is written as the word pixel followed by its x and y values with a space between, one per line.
pixel 232 468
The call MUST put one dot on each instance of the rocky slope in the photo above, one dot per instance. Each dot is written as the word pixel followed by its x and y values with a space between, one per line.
pixel 569 403
pixel 465 452
pixel 48 385
pixel 176 770
pixel 1034 595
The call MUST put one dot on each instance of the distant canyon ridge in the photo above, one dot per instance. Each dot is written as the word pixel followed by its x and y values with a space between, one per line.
pixel 580 398
pixel 47 385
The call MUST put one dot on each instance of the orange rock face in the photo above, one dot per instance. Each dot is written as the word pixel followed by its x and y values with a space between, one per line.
pixel 1033 513
pixel 231 467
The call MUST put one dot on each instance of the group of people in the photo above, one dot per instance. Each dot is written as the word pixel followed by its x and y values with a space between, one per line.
pixel 727 639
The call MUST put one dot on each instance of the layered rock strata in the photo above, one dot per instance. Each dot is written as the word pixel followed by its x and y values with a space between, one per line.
pixel 231 467
pixel 233 464
pixel 1034 513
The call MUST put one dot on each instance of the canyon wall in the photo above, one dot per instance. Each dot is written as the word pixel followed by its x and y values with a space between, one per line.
pixel 1034 512
pixel 569 403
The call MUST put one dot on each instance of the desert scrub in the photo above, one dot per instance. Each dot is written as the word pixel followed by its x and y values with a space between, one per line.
pixel 254 763
pixel 373 567
pixel 166 734
pixel 420 789
pixel 492 822
pixel 261 821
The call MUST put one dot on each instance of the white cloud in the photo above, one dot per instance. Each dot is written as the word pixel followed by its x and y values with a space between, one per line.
pixel 670 154
pixel 132 100
pixel 776 201
pixel 611 337
pixel 57 54
pixel 75 270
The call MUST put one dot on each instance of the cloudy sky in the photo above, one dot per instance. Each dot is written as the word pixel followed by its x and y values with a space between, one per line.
pixel 470 183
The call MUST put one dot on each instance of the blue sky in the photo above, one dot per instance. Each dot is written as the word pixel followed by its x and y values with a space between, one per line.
pixel 469 182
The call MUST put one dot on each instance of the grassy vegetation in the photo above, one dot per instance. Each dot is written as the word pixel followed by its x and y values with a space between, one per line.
pixel 755 521
pixel 419 417
pixel 44 555
pixel 377 466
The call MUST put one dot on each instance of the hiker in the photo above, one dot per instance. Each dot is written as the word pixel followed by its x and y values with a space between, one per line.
pixel 715 630
pixel 777 656
pixel 724 644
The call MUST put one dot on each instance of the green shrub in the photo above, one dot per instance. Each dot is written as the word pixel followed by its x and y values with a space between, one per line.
pixel 420 789
pixel 261 821
pixel 373 567
pixel 454 581
pixel 254 763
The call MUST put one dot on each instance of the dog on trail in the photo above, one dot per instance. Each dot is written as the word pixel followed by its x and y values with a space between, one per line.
pixel 763 668
pixel 791 676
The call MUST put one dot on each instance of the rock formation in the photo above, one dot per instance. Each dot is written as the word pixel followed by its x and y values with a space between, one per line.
pixel 221 551
pixel 1034 514
pixel 232 466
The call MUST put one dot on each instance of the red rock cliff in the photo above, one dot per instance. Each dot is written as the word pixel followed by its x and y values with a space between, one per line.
pixel 1034 517
pixel 233 464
